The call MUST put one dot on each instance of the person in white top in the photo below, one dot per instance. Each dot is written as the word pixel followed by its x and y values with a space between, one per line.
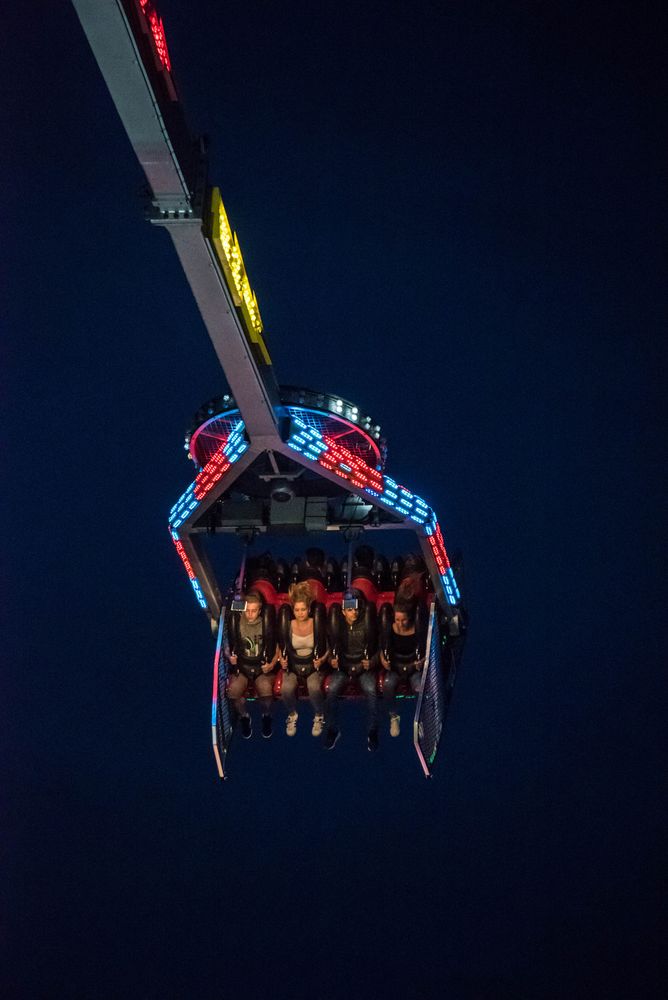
pixel 303 652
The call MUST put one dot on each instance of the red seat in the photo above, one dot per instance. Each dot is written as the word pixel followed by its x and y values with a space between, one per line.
pixel 318 590
pixel 265 589
pixel 366 587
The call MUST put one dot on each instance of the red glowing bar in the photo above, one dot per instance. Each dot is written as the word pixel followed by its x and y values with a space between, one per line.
pixel 216 467
pixel 360 474
pixel 184 558
pixel 158 32
pixel 438 550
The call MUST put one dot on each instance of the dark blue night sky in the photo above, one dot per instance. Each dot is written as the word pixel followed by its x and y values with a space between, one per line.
pixel 453 215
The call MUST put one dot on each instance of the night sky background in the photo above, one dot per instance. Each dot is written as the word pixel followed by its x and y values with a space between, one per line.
pixel 453 215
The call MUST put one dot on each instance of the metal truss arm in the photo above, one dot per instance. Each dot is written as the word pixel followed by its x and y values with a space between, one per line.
pixel 143 91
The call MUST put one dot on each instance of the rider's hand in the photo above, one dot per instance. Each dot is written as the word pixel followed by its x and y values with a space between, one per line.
pixel 366 664
pixel 233 659
pixel 335 662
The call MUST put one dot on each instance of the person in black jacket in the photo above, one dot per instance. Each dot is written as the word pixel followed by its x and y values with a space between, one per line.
pixel 252 654
pixel 401 655
pixel 354 653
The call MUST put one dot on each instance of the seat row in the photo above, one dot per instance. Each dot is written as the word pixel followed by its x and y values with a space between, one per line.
pixel 333 576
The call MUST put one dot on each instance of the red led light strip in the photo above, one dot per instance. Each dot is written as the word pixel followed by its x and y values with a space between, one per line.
pixel 360 474
pixel 438 550
pixel 184 558
pixel 158 32
pixel 211 473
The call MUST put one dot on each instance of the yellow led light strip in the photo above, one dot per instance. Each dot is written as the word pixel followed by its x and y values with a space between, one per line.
pixel 229 255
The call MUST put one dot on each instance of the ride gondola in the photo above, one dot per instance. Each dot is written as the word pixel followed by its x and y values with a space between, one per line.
pixel 271 461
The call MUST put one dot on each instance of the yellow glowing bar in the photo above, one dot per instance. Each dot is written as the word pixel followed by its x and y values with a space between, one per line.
pixel 231 260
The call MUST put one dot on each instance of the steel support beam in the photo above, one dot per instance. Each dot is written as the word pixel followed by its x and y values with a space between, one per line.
pixel 161 147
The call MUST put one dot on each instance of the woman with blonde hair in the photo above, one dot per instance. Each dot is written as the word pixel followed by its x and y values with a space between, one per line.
pixel 303 651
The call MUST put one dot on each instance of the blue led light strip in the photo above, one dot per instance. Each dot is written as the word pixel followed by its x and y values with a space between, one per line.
pixel 233 449
pixel 309 442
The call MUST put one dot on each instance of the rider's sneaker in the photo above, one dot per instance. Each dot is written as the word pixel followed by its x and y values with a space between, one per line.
pixel 372 739
pixel 291 724
pixel 331 738
pixel 267 727
pixel 246 727
pixel 395 725
pixel 318 724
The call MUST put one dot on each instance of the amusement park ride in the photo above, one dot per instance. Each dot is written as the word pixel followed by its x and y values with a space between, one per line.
pixel 272 460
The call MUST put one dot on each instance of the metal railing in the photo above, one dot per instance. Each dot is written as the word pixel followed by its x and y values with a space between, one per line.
pixel 221 720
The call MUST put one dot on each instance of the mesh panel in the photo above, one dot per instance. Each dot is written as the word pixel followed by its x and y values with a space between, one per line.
pixel 352 438
pixel 211 435
pixel 223 713
pixel 432 699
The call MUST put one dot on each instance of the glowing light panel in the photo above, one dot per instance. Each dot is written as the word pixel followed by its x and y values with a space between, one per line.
pixel 158 32
pixel 227 454
pixel 440 555
pixel 337 459
pixel 189 570
pixel 228 251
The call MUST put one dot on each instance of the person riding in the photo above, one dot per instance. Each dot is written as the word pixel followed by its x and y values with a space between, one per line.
pixel 252 654
pixel 354 654
pixel 304 651
pixel 402 653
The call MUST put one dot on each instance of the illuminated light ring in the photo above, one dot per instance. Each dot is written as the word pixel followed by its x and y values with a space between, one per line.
pixel 301 396
pixel 212 434
pixel 189 570
pixel 328 422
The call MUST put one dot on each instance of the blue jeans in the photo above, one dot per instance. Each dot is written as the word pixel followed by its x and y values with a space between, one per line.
pixel 390 688
pixel 337 682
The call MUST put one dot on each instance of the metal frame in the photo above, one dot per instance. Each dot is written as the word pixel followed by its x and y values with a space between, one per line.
pixel 128 41
pixel 428 665
pixel 280 446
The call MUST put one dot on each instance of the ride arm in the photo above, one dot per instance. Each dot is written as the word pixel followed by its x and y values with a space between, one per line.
pixel 128 41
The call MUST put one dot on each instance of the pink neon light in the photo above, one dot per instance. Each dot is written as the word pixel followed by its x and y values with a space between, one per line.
pixel 160 40
pixel 216 663
pixel 438 550
pixel 216 467
pixel 184 558
pixel 158 32
pixel 361 474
